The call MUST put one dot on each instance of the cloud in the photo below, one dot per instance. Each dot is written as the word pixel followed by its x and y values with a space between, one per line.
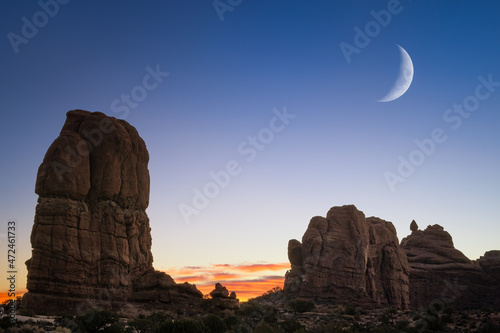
pixel 246 279
pixel 246 289
pixel 255 267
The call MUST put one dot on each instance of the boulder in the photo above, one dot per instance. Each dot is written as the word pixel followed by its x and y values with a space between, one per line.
pixel 219 291
pixel 413 226
pixel 221 299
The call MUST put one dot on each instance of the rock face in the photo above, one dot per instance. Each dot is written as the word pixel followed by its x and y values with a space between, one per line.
pixel 490 263
pixel 346 257
pixel 442 275
pixel 91 238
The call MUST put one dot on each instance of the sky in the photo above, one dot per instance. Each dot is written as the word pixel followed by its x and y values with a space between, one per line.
pixel 259 115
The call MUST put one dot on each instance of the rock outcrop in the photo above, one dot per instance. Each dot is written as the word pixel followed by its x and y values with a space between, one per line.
pixel 441 275
pixel 346 257
pixel 91 239
pixel 222 299
pixel 490 263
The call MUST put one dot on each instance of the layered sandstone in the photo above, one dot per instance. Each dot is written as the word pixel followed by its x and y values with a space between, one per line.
pixel 346 257
pixel 441 275
pixel 91 239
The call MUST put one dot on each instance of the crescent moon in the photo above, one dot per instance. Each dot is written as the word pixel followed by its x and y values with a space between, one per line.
pixel 404 79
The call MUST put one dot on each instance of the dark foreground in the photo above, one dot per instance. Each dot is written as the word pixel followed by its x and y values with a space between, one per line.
pixel 275 312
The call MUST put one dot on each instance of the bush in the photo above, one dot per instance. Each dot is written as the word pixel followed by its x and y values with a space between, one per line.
pixel 214 324
pixel 232 322
pixel 95 321
pixel 402 325
pixel 113 328
pixel 151 323
pixel 60 329
pixel 291 326
pixel 237 324
pixel 182 326
pixel 350 309
pixel 263 328
pixel 248 309
pixel 301 306
pixel 270 314
pixel 26 329
pixel 5 322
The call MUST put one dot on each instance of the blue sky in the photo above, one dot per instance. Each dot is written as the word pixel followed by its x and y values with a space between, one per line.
pixel 225 78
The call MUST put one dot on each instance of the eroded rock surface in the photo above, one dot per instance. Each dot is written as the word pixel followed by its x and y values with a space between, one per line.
pixel 91 238
pixel 441 275
pixel 346 257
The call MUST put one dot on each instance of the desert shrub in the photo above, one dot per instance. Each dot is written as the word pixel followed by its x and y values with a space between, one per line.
pixel 94 321
pixel 301 306
pixel 214 324
pixel 270 314
pixel 291 326
pixel 358 328
pixel 272 292
pixel 66 322
pixel 182 326
pixel 489 327
pixel 387 315
pixel 113 328
pixel 26 329
pixel 231 322
pixel 379 329
pixel 236 324
pixel 435 323
pixel 350 309
pixel 402 325
pixel 332 328
pixel 26 312
pixel 151 324
pixel 263 328
pixel 447 318
pixel 248 309
pixel 6 323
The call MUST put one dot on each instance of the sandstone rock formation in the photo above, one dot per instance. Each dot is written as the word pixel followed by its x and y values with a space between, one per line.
pixel 441 275
pixel 490 263
pixel 222 299
pixel 346 257
pixel 413 226
pixel 91 238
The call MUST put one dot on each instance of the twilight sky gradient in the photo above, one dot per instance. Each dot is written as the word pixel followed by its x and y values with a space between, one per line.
pixel 230 73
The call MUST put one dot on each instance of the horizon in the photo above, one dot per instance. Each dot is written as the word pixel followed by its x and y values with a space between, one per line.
pixel 259 116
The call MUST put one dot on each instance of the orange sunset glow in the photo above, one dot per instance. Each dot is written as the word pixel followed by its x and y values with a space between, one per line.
pixel 246 280
pixel 4 295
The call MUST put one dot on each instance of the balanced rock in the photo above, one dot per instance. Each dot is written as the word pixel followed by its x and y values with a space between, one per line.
pixel 346 257
pixel 219 291
pixel 413 226
pixel 221 298
pixel 91 239
pixel 441 275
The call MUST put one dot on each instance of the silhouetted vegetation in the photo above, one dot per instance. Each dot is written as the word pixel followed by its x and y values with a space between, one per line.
pixel 301 306
pixel 272 315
